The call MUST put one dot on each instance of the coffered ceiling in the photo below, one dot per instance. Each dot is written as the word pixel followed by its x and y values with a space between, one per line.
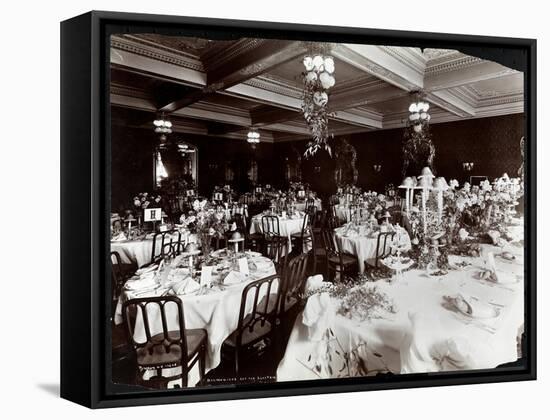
pixel 221 88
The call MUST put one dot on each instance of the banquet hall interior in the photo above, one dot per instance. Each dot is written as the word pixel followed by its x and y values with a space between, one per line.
pixel 285 210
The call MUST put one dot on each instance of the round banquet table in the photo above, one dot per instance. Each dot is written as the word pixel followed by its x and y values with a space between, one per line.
pixel 361 243
pixel 424 334
pixel 215 309
pixel 288 226
pixel 137 251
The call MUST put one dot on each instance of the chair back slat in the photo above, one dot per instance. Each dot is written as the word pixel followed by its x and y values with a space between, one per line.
pixel 170 242
pixel 385 239
pixel 249 319
pixel 147 307
pixel 294 280
pixel 270 225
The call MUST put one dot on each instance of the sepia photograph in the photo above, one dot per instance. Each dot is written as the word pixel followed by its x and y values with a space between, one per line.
pixel 290 210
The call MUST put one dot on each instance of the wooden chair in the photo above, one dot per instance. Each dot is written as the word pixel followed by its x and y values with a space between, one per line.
pixel 384 250
pixel 304 236
pixel 276 249
pixel 165 241
pixel 333 223
pixel 257 320
pixel 118 278
pixel 336 260
pixel 293 282
pixel 170 348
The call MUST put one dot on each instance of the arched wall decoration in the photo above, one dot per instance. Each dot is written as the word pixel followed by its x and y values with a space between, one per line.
pixel 345 156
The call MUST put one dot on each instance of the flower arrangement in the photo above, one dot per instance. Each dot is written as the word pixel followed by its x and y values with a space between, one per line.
pixel 177 185
pixel 357 298
pixel 479 209
pixel 374 202
pixel 418 149
pixel 145 200
pixel 205 220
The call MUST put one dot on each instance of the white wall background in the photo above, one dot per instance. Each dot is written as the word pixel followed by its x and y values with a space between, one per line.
pixel 29 210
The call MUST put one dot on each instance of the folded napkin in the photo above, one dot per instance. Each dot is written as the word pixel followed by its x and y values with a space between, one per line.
pixel 120 237
pixel 234 277
pixel 318 315
pixel 490 273
pixel 144 270
pixel 186 286
pixel 472 307
pixel 145 281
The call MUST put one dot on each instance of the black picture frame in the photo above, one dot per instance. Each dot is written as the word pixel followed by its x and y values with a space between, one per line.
pixel 85 177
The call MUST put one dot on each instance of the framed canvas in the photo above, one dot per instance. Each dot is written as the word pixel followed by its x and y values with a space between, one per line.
pixel 351 290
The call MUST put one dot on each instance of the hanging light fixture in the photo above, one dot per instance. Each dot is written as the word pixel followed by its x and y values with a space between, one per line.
pixel 253 136
pixel 318 79
pixel 418 113
pixel 162 125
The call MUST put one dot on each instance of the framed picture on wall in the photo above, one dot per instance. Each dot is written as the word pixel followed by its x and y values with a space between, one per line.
pixel 395 278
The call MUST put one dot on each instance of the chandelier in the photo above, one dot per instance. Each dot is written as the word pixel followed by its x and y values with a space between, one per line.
pixel 418 115
pixel 253 136
pixel 163 126
pixel 318 79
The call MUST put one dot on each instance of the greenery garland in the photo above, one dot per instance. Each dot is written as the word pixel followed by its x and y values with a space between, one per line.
pixel 418 148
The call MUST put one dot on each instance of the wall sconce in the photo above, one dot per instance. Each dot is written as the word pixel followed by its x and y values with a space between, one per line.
pixel 317 169
pixel 213 166
pixel 377 168
pixel 467 166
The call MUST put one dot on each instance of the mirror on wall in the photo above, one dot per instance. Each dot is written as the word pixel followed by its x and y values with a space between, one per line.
pixel 176 172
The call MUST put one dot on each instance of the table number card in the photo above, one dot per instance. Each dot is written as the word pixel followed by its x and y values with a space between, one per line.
pixel 301 193
pixel 206 276
pixel 243 265
pixel 218 196
pixel 152 215
pixel 258 189
pixel 190 193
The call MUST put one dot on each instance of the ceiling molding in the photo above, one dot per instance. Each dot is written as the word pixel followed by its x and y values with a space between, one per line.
pixel 446 100
pixel 458 74
pixel 380 63
pixel 128 44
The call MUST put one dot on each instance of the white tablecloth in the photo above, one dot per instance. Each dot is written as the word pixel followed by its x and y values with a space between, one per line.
pixel 217 312
pixel 423 335
pixel 287 226
pixel 137 251
pixel 363 244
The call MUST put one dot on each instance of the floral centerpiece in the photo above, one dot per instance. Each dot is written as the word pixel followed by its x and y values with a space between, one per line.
pixel 207 222
pixel 145 200
pixel 177 190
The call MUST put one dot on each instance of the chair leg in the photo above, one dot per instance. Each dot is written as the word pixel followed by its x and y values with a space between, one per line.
pixel 202 362
pixel 236 364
